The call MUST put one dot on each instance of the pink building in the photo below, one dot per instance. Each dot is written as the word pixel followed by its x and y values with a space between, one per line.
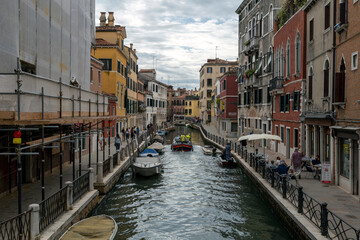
pixel 227 104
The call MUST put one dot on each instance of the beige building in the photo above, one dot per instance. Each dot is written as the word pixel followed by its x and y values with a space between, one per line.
pixel 212 69
pixel 319 57
pixel 131 87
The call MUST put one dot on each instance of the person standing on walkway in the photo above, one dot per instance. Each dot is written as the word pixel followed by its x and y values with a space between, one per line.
pixel 296 161
pixel 137 131
pixel 123 134
pixel 127 134
pixel 117 142
pixel 132 133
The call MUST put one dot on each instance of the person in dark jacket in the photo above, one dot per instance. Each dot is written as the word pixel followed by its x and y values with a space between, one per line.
pixel 282 168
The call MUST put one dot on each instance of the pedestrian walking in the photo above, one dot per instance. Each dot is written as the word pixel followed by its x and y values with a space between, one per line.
pixel 127 134
pixel 117 142
pixel 132 133
pixel 137 131
pixel 296 161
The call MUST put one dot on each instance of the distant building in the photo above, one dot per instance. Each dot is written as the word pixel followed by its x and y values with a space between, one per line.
pixel 227 104
pixel 170 95
pixel 96 75
pixel 209 71
pixel 192 106
pixel 155 97
pixel 178 104
pixel 131 86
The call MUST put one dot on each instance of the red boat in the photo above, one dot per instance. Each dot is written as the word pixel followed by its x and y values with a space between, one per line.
pixel 231 163
pixel 181 146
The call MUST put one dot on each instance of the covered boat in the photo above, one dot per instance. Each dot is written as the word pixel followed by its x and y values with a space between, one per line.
pixel 158 147
pixel 162 133
pixel 96 227
pixel 147 166
pixel 159 139
pixel 181 144
pixel 231 162
pixel 149 152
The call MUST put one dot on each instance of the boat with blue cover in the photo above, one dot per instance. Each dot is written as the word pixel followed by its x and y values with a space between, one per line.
pixel 149 152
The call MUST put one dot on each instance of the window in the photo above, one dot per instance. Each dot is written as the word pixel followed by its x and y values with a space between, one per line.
pixel 224 85
pixel 239 99
pixel 271 19
pixel 186 112
pixel 208 95
pixel 223 126
pixel 99 77
pixel 296 101
pixel 209 70
pixel 209 82
pixel 282 134
pixel 118 66
pixel 343 11
pixel 269 125
pixel 288 58
pixel 310 96
pixel 327 16
pixel 91 75
pixel 282 103
pixel 190 103
pixel 222 70
pixel 326 79
pixel 258 96
pixel 190 111
pixel 311 30
pixel 234 127
pixel 340 83
pixel 287 102
pixel 354 61
pixel 297 54
pixel 296 137
pixel 107 64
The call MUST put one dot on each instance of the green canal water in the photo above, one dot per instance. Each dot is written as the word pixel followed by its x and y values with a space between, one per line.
pixel 194 198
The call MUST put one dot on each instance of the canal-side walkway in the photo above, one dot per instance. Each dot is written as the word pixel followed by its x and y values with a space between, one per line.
pixel 339 202
pixel 31 192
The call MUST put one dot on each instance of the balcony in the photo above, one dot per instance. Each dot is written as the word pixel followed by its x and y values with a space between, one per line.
pixel 276 86
pixel 250 44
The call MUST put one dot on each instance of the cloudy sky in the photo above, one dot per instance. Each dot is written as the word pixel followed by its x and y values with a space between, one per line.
pixel 177 37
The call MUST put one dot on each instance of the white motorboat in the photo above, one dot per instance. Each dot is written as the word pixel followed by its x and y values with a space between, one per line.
pixel 147 166
pixel 149 152
pixel 96 227
pixel 208 150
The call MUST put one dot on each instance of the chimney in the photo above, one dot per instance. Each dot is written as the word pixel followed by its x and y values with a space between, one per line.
pixel 131 46
pixel 111 19
pixel 102 19
pixel 134 51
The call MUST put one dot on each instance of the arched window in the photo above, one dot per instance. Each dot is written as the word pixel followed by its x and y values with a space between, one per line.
pixel 297 53
pixel 340 83
pixel 275 64
pixel 326 78
pixel 253 27
pixel 288 58
pixel 310 86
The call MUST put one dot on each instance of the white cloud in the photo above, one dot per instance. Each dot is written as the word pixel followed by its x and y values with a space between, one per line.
pixel 179 35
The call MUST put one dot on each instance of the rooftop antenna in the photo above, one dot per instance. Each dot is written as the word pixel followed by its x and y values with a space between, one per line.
pixel 153 62
pixel 216 48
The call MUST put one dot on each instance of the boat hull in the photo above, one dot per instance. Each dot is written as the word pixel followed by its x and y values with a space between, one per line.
pixel 182 147
pixel 147 171
pixel 228 164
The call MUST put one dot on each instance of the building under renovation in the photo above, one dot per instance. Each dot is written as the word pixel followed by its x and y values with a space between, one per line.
pixel 45 89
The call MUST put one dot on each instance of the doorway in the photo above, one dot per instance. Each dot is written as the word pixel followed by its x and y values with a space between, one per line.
pixel 355 170
pixel 287 142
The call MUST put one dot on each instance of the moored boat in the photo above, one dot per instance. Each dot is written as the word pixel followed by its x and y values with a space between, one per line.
pixel 97 227
pixel 181 145
pixel 209 150
pixel 230 163
pixel 147 166
pixel 158 147
pixel 159 139
pixel 149 152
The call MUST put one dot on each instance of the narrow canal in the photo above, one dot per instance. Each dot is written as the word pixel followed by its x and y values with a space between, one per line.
pixel 194 198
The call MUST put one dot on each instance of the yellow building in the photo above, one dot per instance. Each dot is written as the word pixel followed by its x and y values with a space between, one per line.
pixel 192 106
pixel 110 50
pixel 131 86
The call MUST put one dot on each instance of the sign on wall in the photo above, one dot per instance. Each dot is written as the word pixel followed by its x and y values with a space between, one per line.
pixel 325 173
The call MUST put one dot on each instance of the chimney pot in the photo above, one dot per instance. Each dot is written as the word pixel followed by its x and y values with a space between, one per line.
pixel 111 19
pixel 131 46
pixel 102 18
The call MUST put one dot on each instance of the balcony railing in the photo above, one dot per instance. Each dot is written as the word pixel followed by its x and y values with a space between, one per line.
pixel 276 83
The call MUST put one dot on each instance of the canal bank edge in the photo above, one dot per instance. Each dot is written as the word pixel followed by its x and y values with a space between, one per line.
pixel 298 225
pixel 90 200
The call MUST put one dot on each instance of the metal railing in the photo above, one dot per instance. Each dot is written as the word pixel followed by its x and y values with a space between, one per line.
pixel 81 186
pixel 330 224
pixel 106 166
pixel 16 228
pixel 52 207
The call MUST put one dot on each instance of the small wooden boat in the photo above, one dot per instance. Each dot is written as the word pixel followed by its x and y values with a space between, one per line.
pixel 189 125
pixel 158 147
pixel 97 227
pixel 149 152
pixel 231 163
pixel 147 166
pixel 181 146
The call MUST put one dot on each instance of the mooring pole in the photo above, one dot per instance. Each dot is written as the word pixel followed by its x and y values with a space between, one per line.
pixel 61 156
pixel 89 145
pixel 42 163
